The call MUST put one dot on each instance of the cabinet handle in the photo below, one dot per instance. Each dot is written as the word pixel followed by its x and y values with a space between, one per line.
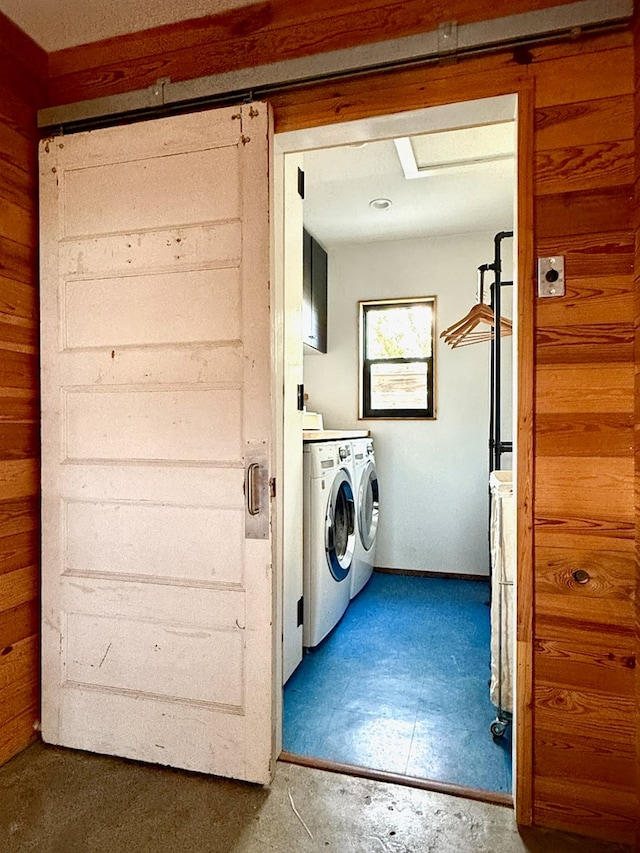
pixel 580 576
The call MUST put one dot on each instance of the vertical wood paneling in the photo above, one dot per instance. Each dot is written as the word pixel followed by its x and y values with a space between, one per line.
pixel 23 72
pixel 577 188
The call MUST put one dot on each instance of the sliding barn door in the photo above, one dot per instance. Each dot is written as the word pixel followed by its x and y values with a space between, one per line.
pixel 157 578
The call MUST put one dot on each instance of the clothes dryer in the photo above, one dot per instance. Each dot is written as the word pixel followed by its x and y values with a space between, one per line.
pixel 329 537
pixel 367 512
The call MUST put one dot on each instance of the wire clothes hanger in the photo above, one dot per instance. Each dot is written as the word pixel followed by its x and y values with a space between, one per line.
pixel 478 324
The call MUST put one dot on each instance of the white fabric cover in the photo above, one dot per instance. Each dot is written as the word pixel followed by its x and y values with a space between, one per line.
pixel 502 591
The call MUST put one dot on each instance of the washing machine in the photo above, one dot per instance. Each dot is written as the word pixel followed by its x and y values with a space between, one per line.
pixel 329 536
pixel 367 510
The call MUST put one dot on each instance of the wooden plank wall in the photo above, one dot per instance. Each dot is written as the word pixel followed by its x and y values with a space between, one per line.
pixel 584 653
pixel 636 33
pixel 263 32
pixel 582 718
pixel 23 74
pixel 577 640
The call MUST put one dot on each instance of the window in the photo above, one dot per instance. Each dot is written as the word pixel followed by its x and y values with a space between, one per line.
pixel 396 358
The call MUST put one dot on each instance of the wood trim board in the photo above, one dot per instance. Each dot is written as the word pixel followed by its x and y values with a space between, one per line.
pixel 398 779
pixel 525 462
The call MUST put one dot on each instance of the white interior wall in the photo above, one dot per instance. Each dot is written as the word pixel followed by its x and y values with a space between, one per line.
pixel 433 475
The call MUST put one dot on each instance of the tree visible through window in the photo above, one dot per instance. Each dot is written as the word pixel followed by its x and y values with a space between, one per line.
pixel 396 358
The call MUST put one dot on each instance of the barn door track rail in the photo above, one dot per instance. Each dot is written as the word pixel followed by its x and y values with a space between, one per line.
pixel 449 41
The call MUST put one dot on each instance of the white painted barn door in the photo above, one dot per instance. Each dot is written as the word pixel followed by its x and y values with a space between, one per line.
pixel 158 639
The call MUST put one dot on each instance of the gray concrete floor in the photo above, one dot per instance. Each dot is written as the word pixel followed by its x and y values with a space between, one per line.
pixel 58 801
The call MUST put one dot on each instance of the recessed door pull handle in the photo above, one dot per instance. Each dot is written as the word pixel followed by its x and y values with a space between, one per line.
pixel 253 489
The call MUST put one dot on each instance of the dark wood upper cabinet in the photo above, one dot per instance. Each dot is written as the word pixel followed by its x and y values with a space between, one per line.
pixel 314 293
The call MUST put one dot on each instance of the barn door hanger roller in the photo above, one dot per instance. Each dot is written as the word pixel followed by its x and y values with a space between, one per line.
pixel 448 38
pixel 157 91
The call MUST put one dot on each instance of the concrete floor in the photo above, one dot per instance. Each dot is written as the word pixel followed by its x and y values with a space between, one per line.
pixel 59 801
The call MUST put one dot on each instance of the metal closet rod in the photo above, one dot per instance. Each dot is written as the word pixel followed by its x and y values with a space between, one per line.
pixel 496 446
pixel 448 42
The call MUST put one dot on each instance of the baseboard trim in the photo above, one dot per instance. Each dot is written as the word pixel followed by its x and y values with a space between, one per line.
pixel 421 573
pixel 452 790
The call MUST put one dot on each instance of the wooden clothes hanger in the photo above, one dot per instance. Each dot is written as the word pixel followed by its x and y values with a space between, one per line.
pixel 480 337
pixel 478 324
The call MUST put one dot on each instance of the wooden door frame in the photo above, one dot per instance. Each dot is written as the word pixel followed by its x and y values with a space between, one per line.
pixel 523 711
pixel 523 763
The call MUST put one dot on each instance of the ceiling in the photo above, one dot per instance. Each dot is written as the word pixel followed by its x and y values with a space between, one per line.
pixel 465 197
pixel 56 24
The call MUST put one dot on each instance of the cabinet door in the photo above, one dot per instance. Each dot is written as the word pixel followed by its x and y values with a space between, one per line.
pixel 314 293
pixel 307 293
pixel 319 295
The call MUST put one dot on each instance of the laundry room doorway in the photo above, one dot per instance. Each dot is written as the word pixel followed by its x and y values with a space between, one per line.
pixel 451 167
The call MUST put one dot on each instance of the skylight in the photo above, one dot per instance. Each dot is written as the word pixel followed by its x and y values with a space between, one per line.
pixel 458 149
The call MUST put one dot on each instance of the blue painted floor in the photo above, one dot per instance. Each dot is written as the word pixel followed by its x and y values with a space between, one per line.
pixel 401 685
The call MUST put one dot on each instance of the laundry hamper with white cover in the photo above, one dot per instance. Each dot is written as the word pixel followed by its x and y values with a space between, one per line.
pixel 502 596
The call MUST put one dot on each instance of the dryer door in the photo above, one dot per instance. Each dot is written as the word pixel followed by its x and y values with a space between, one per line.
pixel 340 536
pixel 368 506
